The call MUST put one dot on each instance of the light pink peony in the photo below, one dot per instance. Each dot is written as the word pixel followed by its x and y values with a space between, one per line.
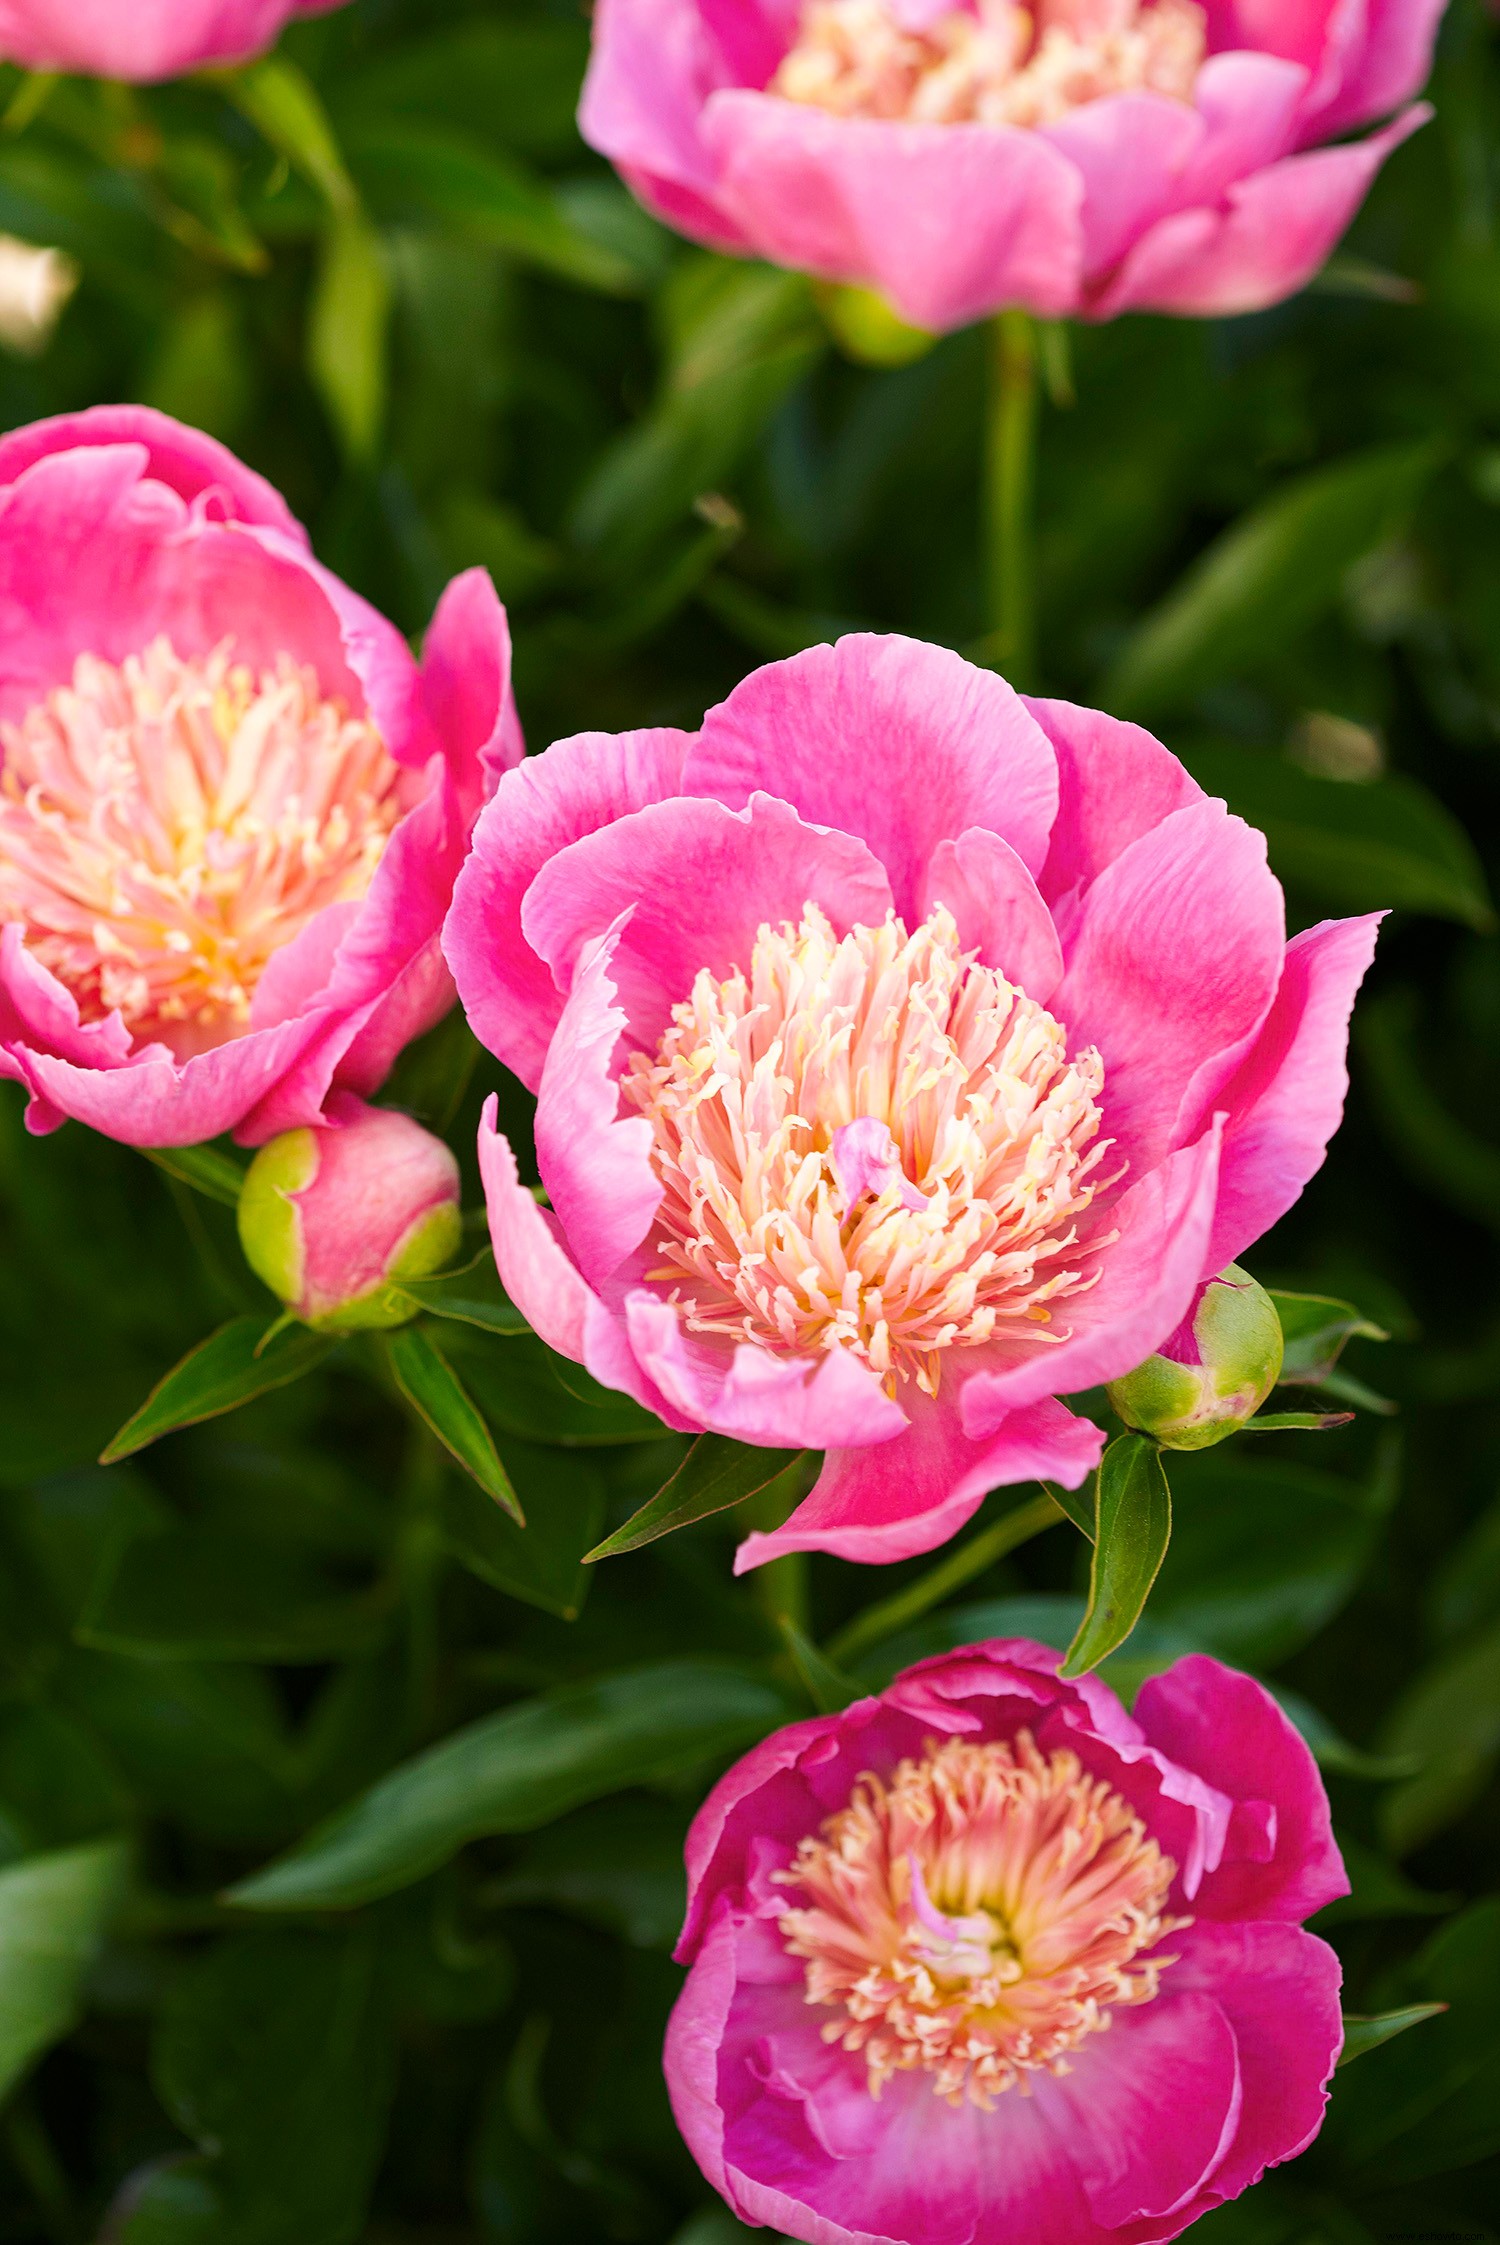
pixel 907 1055
pixel 1086 158
pixel 231 805
pixel 985 1961
pixel 143 39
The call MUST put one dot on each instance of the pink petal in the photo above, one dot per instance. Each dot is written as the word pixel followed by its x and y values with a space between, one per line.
pixel 910 1495
pixel 654 64
pixel 1220 1723
pixel 466 687
pixel 1251 110
pixel 198 468
pixel 697 881
pixel 1175 957
pixel 1279 1988
pixel 998 908
pixel 546 1285
pixel 1285 1100
pixel 782 1403
pixel 143 40
pixel 1175 2055
pixel 1390 63
pixel 151 1101
pixel 902 744
pixel 1131 151
pixel 595 1165
pixel 1265 242
pixel 858 199
pixel 1147 1279
pixel 1117 782
pixel 575 788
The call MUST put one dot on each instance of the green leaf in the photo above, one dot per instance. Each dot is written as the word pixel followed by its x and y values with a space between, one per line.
pixel 53 1913
pixel 199 1593
pixel 438 1396
pixel 346 330
pixel 1355 846
pixel 826 1685
pixel 217 1175
pixel 1425 2104
pixel 1448 1722
pixel 715 1474
pixel 421 173
pixel 1269 575
pixel 275 2054
pixel 471 1296
pixel 231 1367
pixel 1296 1422
pixel 542 1563
pixel 1133 1520
pixel 1364 2032
pixel 1314 1329
pixel 283 107
pixel 515 1770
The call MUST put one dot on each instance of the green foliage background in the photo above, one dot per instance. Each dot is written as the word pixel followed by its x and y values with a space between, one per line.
pixel 420 306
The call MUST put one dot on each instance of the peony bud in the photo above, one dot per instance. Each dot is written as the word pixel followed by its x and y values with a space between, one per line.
pixel 1213 1373
pixel 335 1217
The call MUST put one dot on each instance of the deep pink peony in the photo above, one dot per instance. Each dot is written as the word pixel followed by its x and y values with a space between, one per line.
pixel 231 805
pixel 986 1961
pixel 907 1055
pixel 1088 158
pixel 143 39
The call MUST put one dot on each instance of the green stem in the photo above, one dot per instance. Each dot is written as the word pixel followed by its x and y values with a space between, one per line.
pixel 1010 445
pixel 951 1573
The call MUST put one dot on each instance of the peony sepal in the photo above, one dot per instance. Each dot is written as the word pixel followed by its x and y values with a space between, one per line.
pixel 1213 1373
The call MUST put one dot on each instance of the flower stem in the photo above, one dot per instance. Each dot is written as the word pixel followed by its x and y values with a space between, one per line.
pixel 1010 445
pixel 950 1573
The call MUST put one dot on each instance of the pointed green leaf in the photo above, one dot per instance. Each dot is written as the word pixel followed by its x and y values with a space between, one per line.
pixel 1368 2033
pixel 231 1367
pixel 217 1175
pixel 516 1770
pixel 53 1911
pixel 438 1396
pixel 827 1686
pixel 715 1474
pixel 1133 1520
pixel 1314 1330
pixel 471 1296
pixel 283 107
pixel 1287 1422
pixel 1075 1505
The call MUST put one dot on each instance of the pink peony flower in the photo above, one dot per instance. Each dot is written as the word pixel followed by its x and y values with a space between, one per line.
pixel 985 1960
pixel 907 1056
pixel 143 39
pixel 1085 158
pixel 231 805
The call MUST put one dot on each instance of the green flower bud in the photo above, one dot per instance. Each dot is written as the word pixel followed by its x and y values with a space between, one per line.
pixel 334 1218
pixel 1213 1373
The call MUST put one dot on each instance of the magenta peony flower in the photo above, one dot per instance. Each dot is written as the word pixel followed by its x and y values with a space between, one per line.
pixel 231 805
pixel 907 1055
pixel 1087 157
pixel 334 1218
pixel 143 39
pixel 984 1961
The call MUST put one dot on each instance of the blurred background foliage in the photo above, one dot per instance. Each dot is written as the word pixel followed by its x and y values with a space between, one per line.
pixel 384 268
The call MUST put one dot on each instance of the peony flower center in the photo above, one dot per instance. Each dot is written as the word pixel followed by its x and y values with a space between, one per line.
pixel 871 1143
pixel 167 824
pixel 992 63
pixel 978 1916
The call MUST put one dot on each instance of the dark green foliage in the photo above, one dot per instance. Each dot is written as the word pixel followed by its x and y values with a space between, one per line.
pixel 340 1815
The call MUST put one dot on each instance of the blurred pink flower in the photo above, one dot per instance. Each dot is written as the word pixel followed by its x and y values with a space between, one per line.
pixel 231 805
pixel 143 39
pixel 1088 158
pixel 910 1924
pixel 907 1056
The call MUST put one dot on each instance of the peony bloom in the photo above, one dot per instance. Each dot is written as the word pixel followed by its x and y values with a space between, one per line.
pixel 333 1218
pixel 1087 157
pixel 907 1056
pixel 985 1960
pixel 143 39
pixel 231 805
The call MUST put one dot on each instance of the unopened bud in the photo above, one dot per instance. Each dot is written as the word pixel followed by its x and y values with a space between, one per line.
pixel 335 1217
pixel 1214 1372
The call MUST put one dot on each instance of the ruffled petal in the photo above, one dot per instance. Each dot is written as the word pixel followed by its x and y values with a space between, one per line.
pixel 782 1403
pixel 998 909
pixel 198 468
